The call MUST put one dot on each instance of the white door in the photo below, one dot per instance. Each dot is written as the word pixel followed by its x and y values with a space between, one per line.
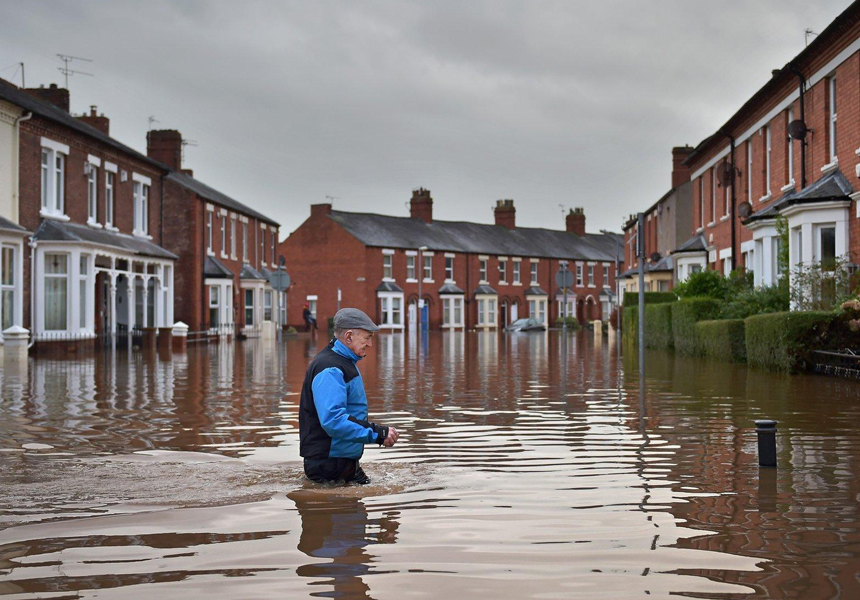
pixel 514 316
pixel 413 317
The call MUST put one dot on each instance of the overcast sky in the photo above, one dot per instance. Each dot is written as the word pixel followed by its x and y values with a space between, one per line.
pixel 568 103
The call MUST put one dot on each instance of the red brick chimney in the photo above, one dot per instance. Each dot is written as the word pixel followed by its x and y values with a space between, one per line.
pixel 576 221
pixel 100 122
pixel 320 210
pixel 506 214
pixel 680 172
pixel 55 95
pixel 165 146
pixel 421 205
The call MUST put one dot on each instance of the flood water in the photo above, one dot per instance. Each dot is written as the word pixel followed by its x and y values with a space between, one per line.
pixel 529 466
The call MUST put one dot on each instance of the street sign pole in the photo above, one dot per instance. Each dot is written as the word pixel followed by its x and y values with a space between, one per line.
pixel 640 253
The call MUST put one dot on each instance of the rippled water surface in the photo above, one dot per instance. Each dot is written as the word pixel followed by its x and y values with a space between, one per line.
pixel 529 466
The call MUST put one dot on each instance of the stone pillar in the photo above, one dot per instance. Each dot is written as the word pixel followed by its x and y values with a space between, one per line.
pixel 146 324
pixel 15 342
pixel 598 330
pixel 165 338
pixel 112 307
pixel 180 335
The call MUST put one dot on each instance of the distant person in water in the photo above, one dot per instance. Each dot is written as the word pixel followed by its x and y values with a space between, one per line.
pixel 307 315
pixel 333 425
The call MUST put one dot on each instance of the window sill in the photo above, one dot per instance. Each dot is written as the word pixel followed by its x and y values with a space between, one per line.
pixel 787 187
pixel 93 224
pixel 765 198
pixel 711 224
pixel 517 283
pixel 388 279
pixel 54 216
pixel 724 218
pixel 429 281
pixel 450 281
pixel 700 229
pixel 209 252
pixel 142 235
pixel 831 166
pixel 411 280
pixel 503 283
pixel 111 228
pixel 233 257
pixel 224 256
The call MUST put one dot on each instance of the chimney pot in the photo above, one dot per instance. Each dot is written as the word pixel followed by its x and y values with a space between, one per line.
pixel 505 214
pixel 575 221
pixel 57 96
pixel 421 205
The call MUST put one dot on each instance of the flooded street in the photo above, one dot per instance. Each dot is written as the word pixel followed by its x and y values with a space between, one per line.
pixel 524 470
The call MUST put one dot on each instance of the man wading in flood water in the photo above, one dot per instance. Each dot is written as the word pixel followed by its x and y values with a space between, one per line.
pixel 333 425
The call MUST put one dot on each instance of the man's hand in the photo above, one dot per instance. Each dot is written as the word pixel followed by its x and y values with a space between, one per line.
pixel 392 437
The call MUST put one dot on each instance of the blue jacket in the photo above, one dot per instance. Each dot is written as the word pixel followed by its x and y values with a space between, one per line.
pixel 333 409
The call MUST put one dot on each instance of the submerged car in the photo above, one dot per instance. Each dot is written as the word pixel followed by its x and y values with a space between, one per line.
pixel 526 325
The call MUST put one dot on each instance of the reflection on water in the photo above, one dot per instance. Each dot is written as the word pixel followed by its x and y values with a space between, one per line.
pixel 530 465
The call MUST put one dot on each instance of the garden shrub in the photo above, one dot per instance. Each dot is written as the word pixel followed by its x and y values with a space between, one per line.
pixel 658 326
pixel 632 298
pixel 745 303
pixel 784 341
pixel 704 284
pixel 722 339
pixel 685 314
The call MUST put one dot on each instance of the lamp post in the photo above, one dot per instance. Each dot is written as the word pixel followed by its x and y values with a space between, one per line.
pixel 617 273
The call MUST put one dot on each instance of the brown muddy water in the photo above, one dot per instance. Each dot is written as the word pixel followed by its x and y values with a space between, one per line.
pixel 524 470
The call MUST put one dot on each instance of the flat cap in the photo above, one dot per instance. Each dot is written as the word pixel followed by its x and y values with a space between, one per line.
pixel 352 318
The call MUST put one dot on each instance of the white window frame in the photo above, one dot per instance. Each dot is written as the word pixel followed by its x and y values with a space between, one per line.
pixel 250 308
pixel 571 306
pixel 410 268
pixel 483 267
pixel 605 274
pixel 534 272
pixel 110 199
pixel 83 291
pixel 749 171
pixel 274 237
pixel 141 208
pixel 427 268
pixel 233 238
pixel 503 271
pixel 538 308
pixel 768 161
pixel 223 235
pixel 312 301
pixel 713 196
pixel 449 268
pixel 92 194
pixel 210 234
pixel 488 310
pixel 67 277
pixel 390 310
pixel 388 265
pixel 578 274
pixel 517 277
pixel 244 241
pixel 789 179
pixel 701 202
pixel 451 305
pixel 263 244
pixel 10 289
pixel 53 169
pixel 590 275
pixel 268 298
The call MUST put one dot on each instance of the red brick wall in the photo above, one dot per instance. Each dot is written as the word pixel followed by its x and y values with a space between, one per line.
pixel 321 256
pixel 80 146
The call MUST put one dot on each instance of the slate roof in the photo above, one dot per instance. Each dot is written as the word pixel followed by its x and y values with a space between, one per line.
pixel 213 195
pixel 485 289
pixel 55 231
pixel 535 291
pixel 665 264
pixel 833 186
pixel 389 286
pixel 15 95
pixel 9 226
pixel 696 243
pixel 457 236
pixel 607 292
pixel 250 273
pixel 213 268
pixel 450 289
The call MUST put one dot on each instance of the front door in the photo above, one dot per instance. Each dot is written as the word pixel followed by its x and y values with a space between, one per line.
pixel 503 315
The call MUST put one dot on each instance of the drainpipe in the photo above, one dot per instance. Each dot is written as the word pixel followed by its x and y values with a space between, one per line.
pixel 733 200
pixel 32 244
pixel 802 85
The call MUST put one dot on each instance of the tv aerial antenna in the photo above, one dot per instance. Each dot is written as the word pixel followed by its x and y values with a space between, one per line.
pixel 332 198
pixel 152 120
pixel 66 71
pixel 185 143
pixel 808 33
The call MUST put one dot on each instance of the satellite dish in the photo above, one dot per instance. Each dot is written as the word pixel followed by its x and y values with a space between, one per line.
pixel 725 173
pixel 744 210
pixel 655 256
pixel 797 130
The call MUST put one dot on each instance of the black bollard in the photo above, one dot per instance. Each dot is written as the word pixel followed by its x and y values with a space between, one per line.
pixel 766 430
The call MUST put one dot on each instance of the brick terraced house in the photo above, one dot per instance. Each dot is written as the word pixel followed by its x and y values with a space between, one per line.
pixel 792 150
pixel 94 206
pixel 471 275
pixel 226 251
pixel 667 225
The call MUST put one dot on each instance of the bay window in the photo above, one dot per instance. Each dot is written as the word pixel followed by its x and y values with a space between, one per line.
pixel 249 308
pixel 214 306
pixel 391 309
pixel 537 308
pixel 56 292
pixel 8 284
pixel 452 311
pixel 486 311
pixel 83 286
pixel 267 305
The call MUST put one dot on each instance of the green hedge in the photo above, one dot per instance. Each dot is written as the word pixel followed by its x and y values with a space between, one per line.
pixel 685 314
pixel 722 339
pixel 632 298
pixel 784 341
pixel 630 324
pixel 658 326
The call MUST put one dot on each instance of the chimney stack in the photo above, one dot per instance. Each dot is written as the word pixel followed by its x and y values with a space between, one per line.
pixel 575 221
pixel 680 172
pixel 421 205
pixel 320 210
pixel 505 213
pixel 57 96
pixel 100 122
pixel 165 146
